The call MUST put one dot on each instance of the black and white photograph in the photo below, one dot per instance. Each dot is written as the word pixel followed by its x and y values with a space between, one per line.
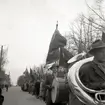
pixel 52 52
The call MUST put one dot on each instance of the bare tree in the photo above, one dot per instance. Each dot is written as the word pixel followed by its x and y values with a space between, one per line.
pixel 85 29
pixel 3 58
pixel 82 33
pixel 20 80
pixel 97 11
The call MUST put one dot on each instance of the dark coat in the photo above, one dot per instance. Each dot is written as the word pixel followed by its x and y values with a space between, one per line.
pixel 37 85
pixel 73 100
pixel 48 79
pixel 92 76
pixel 1 99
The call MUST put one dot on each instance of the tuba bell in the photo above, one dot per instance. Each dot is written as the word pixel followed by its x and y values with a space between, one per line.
pixel 84 94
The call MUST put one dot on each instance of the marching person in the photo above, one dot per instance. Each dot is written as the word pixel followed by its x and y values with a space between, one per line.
pixel 37 86
pixel 41 88
pixel 6 86
pixel 48 81
pixel 92 74
pixel 30 85
pixel 34 88
pixel 27 86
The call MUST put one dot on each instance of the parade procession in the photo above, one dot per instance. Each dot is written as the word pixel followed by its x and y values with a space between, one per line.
pixel 52 52
pixel 70 79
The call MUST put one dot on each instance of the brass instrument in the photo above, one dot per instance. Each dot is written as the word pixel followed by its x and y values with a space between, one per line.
pixel 82 92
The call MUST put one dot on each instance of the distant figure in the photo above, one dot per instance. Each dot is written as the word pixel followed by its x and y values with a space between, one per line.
pixel 1 97
pixel 6 86
pixel 34 89
pixel 41 88
pixel 27 86
pixel 37 88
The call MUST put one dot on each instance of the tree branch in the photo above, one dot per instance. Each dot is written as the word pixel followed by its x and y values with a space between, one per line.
pixel 94 11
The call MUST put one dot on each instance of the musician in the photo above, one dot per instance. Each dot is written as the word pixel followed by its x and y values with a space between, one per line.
pixel 37 88
pixel 92 74
pixel 49 78
pixel 42 88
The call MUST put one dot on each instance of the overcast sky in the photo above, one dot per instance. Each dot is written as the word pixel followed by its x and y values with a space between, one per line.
pixel 26 28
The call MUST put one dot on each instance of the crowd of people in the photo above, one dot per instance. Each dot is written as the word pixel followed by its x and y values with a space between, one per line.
pixel 41 86
pixel 38 87
pixel 91 75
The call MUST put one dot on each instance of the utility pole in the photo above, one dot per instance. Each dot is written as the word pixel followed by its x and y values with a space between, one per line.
pixel 1 56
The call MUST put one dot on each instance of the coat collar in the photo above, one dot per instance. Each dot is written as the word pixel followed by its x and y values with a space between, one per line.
pixel 98 71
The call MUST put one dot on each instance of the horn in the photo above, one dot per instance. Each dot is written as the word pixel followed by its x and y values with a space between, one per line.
pixel 80 91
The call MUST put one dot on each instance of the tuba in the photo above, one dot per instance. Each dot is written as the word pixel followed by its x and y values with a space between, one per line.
pixel 84 94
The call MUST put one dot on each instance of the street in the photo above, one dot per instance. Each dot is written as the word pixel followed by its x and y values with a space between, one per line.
pixel 17 97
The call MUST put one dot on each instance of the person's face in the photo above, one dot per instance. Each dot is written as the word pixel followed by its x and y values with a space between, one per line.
pixel 100 55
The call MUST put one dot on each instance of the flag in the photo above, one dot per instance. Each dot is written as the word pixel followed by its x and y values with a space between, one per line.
pixel 64 57
pixel 26 72
pixel 31 74
pixel 26 75
pixel 53 56
pixel 57 41
pixel 103 37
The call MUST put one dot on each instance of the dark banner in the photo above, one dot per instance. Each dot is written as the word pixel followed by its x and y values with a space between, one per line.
pixel 57 41
pixel 65 55
pixel 53 56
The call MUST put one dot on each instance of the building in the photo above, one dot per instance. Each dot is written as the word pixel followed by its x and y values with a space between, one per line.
pixel 2 77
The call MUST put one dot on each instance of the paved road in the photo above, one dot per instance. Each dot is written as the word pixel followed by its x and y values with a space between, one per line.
pixel 16 97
